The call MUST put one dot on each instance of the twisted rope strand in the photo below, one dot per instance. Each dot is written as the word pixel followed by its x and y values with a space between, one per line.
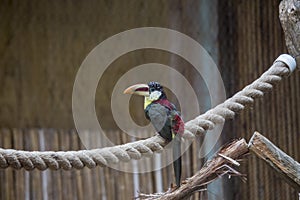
pixel 67 160
pixel 236 103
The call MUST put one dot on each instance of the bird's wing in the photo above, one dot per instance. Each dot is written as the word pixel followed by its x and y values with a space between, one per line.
pixel 158 115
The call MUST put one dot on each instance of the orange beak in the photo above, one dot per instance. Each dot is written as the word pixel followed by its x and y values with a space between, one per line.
pixel 138 89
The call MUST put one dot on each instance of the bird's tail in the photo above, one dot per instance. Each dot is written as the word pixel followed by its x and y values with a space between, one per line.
pixel 177 158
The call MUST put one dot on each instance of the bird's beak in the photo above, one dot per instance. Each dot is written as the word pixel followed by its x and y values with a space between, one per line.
pixel 138 89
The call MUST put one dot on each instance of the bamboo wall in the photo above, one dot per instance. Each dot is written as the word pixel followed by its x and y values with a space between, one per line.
pixel 253 40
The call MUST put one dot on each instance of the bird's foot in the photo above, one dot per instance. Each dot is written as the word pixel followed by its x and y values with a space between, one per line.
pixel 174 187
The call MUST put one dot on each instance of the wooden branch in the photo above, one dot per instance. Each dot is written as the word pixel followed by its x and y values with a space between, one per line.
pixel 286 166
pixel 219 165
pixel 289 15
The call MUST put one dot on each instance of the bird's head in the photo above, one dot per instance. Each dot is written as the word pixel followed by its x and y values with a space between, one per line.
pixel 151 91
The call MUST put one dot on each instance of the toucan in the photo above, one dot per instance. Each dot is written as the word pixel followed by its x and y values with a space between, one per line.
pixel 164 117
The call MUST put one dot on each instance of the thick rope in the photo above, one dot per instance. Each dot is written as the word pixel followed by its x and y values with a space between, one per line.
pixel 67 160
pixel 237 103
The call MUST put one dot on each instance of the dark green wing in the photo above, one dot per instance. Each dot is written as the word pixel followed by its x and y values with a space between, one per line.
pixel 158 115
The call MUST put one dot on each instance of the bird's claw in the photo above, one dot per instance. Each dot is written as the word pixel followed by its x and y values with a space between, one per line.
pixel 174 187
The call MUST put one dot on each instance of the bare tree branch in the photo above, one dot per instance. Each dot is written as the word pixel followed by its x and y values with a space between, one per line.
pixel 222 163
pixel 283 164
pixel 289 15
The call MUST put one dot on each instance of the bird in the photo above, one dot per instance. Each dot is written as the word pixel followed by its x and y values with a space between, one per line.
pixel 165 118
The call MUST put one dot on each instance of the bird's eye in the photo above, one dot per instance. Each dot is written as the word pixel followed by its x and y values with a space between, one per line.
pixel 152 89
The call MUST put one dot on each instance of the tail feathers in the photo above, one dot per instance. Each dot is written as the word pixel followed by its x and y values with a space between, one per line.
pixel 177 159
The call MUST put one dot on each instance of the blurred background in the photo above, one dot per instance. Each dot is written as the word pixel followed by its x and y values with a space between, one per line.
pixel 43 43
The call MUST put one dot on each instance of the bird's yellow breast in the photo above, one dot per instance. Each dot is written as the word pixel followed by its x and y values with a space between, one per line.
pixel 147 101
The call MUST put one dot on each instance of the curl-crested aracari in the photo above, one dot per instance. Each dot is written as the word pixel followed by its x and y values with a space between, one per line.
pixel 164 117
